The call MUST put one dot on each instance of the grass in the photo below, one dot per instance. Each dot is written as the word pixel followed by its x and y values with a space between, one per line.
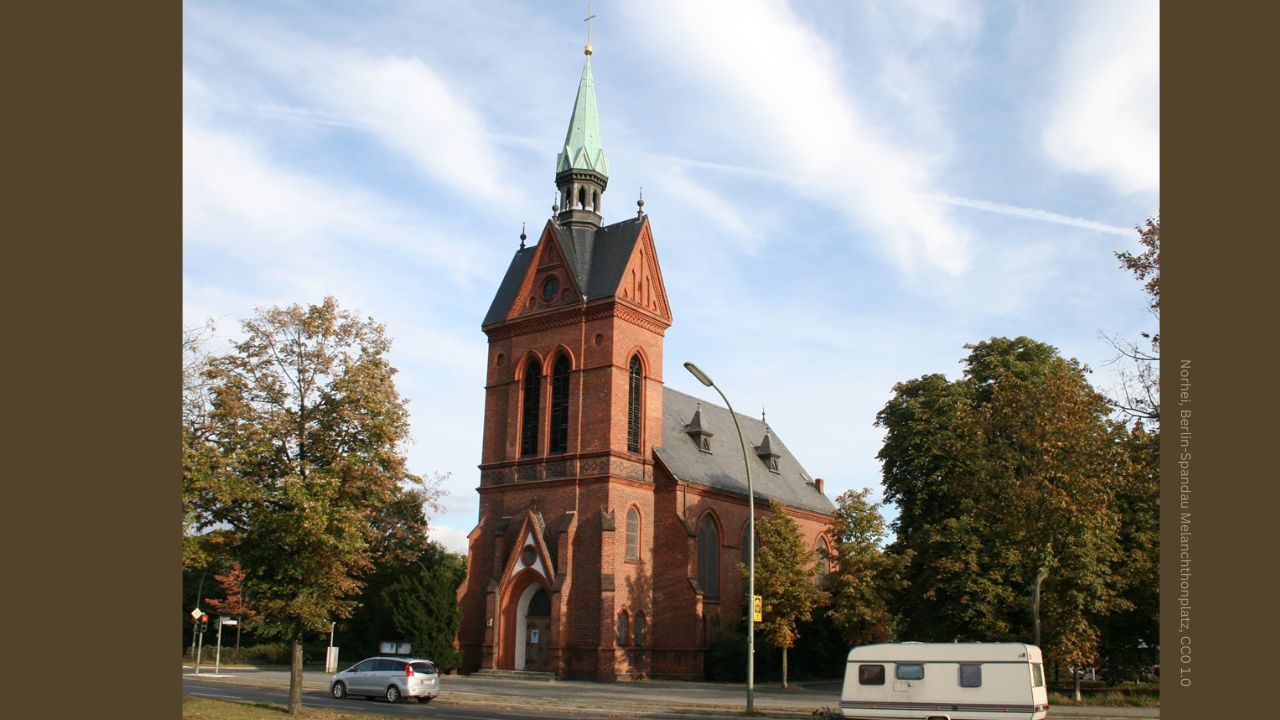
pixel 1141 695
pixel 198 708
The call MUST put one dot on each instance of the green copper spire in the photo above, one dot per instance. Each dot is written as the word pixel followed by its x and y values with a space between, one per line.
pixel 582 147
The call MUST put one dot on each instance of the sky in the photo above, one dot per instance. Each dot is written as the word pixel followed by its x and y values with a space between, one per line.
pixel 842 193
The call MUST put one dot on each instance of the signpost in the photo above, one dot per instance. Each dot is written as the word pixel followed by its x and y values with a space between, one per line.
pixel 217 663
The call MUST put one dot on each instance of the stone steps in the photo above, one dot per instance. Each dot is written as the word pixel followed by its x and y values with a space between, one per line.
pixel 515 675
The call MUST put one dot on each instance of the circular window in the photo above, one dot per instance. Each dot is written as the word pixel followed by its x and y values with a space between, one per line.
pixel 599 339
pixel 550 288
pixel 502 360
pixel 529 555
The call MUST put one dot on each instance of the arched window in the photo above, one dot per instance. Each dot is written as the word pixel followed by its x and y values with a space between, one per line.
pixel 623 623
pixel 821 561
pixel 633 405
pixel 640 630
pixel 595 201
pixel 560 405
pixel 633 534
pixel 709 557
pixel 532 399
pixel 582 198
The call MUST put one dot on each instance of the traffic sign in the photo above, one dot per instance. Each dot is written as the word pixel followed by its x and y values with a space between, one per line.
pixel 195 614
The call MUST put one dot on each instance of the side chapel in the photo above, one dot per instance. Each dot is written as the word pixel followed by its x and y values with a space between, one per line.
pixel 613 510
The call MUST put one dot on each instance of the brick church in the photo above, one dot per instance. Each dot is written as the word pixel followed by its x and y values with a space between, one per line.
pixel 613 510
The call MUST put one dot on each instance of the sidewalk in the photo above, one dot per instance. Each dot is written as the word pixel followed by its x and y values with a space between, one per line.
pixel 695 699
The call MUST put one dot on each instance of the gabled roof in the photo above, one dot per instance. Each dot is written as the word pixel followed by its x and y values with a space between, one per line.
pixel 597 258
pixel 722 468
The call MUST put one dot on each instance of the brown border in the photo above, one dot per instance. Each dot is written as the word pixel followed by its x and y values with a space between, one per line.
pixel 1218 191
pixel 92 110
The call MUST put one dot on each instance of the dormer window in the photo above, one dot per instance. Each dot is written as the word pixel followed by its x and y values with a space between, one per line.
pixel 766 452
pixel 698 433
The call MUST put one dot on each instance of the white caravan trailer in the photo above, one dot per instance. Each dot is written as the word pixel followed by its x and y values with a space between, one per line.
pixel 945 681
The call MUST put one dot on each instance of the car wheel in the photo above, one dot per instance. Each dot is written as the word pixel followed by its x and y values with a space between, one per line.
pixel 339 690
pixel 424 699
pixel 393 694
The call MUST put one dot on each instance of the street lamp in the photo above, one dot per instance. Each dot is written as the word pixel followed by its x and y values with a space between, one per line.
pixel 705 379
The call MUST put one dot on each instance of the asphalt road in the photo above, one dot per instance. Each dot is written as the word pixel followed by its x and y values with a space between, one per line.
pixel 438 708
pixel 476 698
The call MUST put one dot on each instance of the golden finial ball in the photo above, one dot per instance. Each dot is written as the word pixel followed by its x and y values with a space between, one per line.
pixel 586 50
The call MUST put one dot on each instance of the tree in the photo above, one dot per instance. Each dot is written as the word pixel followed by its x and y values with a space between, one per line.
pixel 1139 392
pixel 1005 484
pixel 199 457
pixel 233 603
pixel 783 579
pixel 306 425
pixel 863 577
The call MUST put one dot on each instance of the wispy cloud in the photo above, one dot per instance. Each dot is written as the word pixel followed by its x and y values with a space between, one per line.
pixel 1105 117
pixel 1032 214
pixel 414 111
pixel 784 102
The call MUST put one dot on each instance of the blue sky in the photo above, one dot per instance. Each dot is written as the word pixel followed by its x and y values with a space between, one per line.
pixel 842 194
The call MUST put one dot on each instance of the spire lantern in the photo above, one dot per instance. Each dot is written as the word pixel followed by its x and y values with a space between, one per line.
pixel 582 171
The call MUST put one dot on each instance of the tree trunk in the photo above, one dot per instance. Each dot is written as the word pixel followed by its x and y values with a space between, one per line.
pixel 1035 605
pixel 295 678
pixel 784 668
pixel 239 622
pixel 1075 674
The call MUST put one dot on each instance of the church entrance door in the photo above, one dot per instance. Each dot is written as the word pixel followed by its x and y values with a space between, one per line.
pixel 537 634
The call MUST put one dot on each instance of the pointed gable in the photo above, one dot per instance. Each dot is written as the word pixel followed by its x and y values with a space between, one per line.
pixel 641 281
pixel 599 263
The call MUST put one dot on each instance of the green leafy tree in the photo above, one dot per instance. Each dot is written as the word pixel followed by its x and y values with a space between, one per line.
pixel 1005 481
pixel 784 580
pixel 415 602
pixel 309 478
pixel 862 577
pixel 1131 637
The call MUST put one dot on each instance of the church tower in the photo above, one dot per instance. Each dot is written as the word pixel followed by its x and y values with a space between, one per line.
pixel 573 411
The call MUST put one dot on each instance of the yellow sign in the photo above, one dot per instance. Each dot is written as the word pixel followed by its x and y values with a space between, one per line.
pixel 758 608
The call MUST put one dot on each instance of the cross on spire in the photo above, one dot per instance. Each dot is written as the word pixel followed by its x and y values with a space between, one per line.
pixel 590 16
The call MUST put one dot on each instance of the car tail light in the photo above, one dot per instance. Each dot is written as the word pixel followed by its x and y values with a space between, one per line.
pixel 408 669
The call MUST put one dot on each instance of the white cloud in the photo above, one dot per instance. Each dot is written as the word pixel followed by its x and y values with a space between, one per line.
pixel 1105 119
pixel 411 109
pixel 452 539
pixel 778 84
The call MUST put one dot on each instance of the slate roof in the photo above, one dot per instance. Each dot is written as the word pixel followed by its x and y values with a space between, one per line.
pixel 597 258
pixel 722 468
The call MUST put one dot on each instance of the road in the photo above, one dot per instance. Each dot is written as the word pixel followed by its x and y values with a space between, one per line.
pixel 478 698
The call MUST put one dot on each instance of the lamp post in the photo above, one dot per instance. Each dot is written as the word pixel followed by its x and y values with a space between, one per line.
pixel 705 379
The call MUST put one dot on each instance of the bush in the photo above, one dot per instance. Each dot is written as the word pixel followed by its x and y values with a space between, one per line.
pixel 726 659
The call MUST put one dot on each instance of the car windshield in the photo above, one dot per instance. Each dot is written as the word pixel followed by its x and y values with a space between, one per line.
pixel 423 666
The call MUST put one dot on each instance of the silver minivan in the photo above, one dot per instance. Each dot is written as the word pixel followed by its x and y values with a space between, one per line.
pixel 390 677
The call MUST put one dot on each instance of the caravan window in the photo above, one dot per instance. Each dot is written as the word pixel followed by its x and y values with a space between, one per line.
pixel 1037 673
pixel 970 674
pixel 870 674
pixel 910 671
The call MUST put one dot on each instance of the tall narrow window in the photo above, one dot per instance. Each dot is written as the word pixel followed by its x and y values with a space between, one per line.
pixel 821 561
pixel 623 622
pixel 560 405
pixel 633 406
pixel 633 534
pixel 532 399
pixel 640 630
pixel 709 557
